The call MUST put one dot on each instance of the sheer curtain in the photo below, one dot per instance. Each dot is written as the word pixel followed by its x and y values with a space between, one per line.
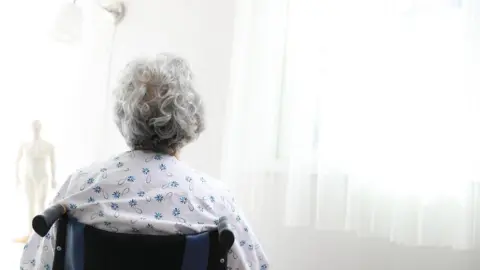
pixel 360 117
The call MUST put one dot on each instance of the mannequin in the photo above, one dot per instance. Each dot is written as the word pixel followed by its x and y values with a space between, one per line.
pixel 35 179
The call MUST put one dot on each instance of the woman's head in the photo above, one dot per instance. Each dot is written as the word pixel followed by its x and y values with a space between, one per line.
pixel 156 106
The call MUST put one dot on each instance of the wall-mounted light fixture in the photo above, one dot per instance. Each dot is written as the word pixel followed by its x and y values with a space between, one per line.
pixel 68 24
pixel 116 10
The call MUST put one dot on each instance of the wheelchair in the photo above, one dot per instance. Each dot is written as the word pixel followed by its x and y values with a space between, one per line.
pixel 82 247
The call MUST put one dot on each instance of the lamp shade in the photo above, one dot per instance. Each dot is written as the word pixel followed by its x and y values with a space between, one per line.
pixel 68 24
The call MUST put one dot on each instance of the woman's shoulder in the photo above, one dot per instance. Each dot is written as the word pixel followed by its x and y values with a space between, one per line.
pixel 209 183
pixel 97 171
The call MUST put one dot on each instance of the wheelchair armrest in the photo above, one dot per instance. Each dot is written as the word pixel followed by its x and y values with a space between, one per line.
pixel 42 223
pixel 226 237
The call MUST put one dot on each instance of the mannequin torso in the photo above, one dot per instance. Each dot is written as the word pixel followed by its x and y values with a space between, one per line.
pixel 37 155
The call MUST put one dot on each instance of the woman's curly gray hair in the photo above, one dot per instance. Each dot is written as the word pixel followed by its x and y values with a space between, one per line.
pixel 156 106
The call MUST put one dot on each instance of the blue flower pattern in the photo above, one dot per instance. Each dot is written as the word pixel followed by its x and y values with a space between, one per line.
pixel 114 206
pixel 183 200
pixel 94 201
pixel 116 194
pixel 132 203
pixel 159 198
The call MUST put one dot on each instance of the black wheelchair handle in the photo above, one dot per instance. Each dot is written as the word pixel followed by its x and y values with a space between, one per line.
pixel 226 236
pixel 42 223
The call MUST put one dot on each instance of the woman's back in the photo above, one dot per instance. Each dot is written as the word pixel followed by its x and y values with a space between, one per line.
pixel 147 190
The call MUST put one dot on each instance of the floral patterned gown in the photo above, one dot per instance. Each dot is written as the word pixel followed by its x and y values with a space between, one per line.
pixel 148 193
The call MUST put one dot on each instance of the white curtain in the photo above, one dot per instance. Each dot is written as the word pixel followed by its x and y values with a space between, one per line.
pixel 361 117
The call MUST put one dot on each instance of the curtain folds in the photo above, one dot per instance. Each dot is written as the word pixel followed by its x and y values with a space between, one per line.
pixel 360 117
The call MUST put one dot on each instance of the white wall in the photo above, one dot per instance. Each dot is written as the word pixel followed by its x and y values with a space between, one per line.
pixel 200 31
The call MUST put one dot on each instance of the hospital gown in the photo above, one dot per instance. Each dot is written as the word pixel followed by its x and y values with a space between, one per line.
pixel 148 193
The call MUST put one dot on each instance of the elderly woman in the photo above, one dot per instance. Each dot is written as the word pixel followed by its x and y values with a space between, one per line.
pixel 158 112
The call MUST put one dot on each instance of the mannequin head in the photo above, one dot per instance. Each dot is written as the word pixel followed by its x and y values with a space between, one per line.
pixel 36 128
